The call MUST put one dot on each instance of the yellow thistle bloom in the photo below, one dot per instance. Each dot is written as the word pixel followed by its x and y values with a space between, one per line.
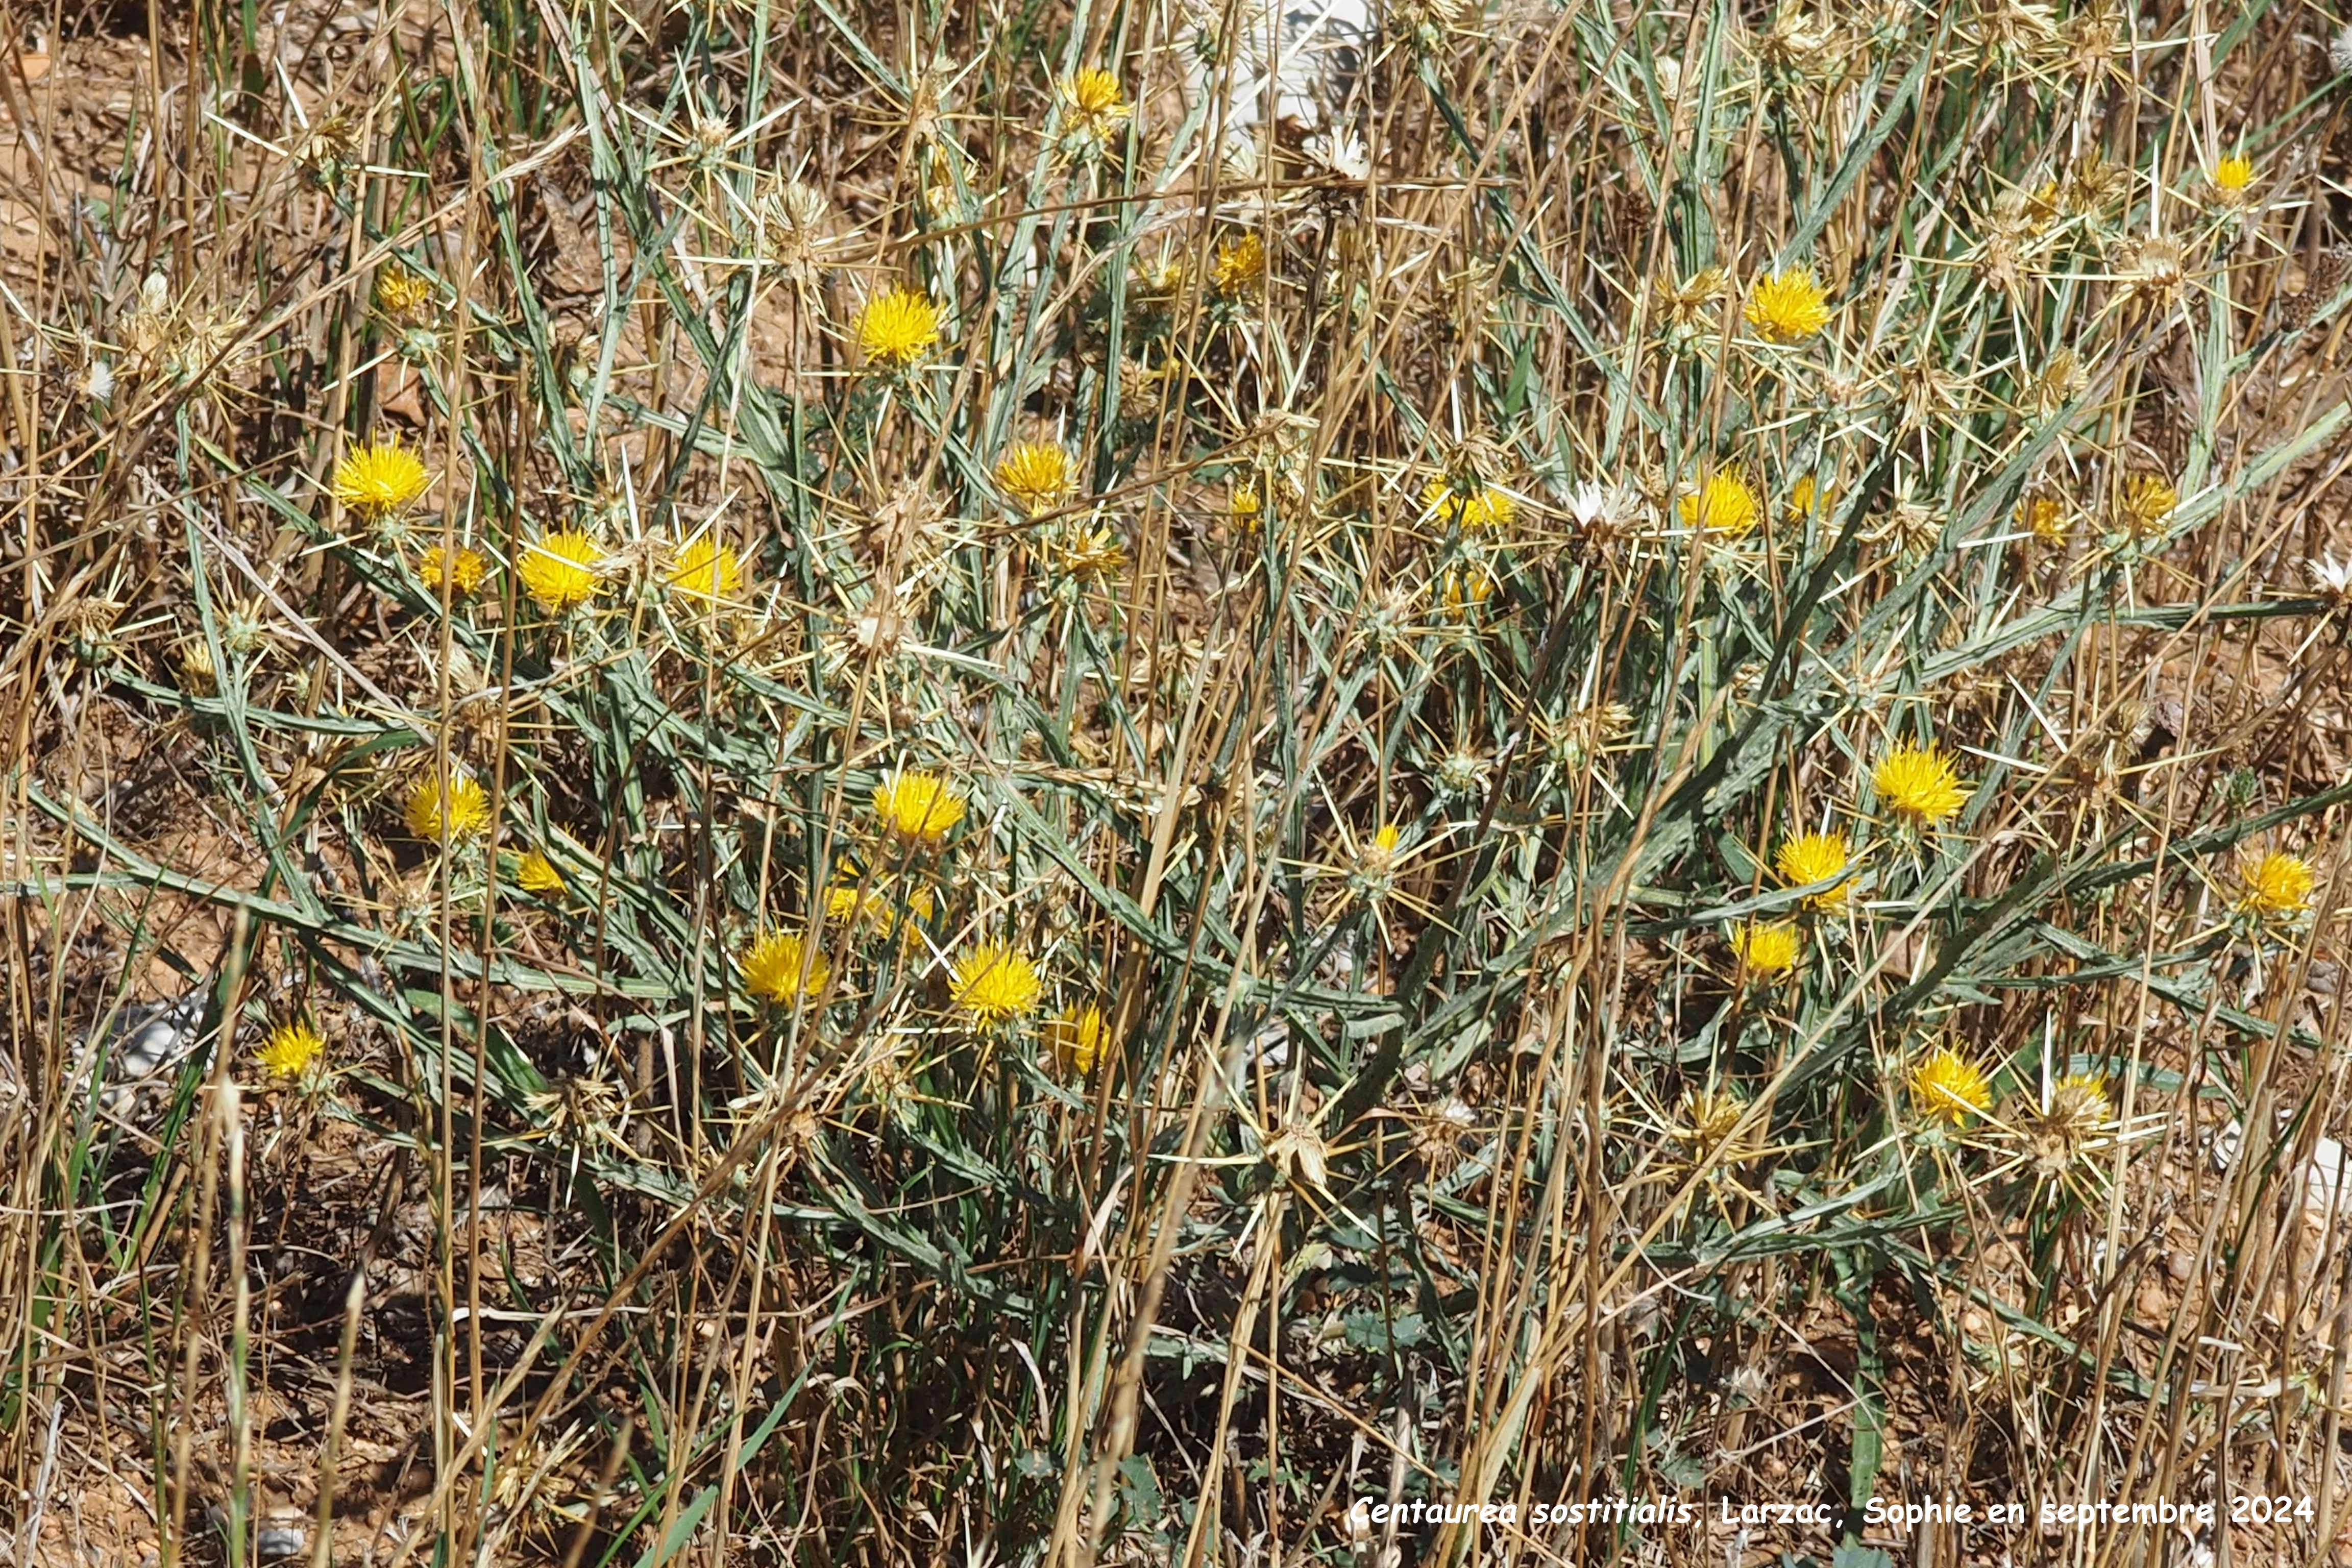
pixel 1948 1087
pixel 1723 505
pixel 537 876
pixel 559 570
pixel 1075 1035
pixel 2147 501
pixel 781 968
pixel 456 804
pixel 1788 306
pixel 1463 588
pixel 1920 783
pixel 1093 102
pixel 1239 271
pixel 292 1048
pixel 2233 178
pixel 876 907
pixel 707 570
pixel 464 569
pixel 1487 507
pixel 1709 1115
pixel 1036 476
pixel 1767 949
pixel 1244 504
pixel 898 327
pixel 2043 518
pixel 2277 884
pixel 380 478
pixel 1815 857
pixel 1807 495
pixel 401 294
pixel 996 983
pixel 922 806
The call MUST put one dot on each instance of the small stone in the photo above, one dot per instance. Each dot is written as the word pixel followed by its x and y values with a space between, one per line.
pixel 276 1542
pixel 2180 1265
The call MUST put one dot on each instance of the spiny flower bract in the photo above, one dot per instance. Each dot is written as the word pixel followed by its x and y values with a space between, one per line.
pixel 380 478
pixel 558 572
pixel 1036 476
pixel 919 805
pixel 1920 784
pixel 1812 857
pixel 456 804
pixel 898 327
pixel 291 1050
pixel 995 983
pixel 781 967
pixel 1948 1087
pixel 1789 305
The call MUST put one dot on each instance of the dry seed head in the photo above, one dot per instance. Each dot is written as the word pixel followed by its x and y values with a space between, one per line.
pixel 2062 381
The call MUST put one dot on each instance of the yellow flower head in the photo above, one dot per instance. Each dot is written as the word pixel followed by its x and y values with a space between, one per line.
pixel 898 327
pixel 1920 783
pixel 1244 504
pixel 1723 505
pixel 1093 103
pixel 456 804
pixel 1948 1087
pixel 537 876
pixel 2147 501
pixel 1239 271
pixel 779 967
pixel 462 568
pixel 1036 476
pixel 380 478
pixel 1788 306
pixel 914 805
pixel 401 294
pixel 2233 178
pixel 1767 949
pixel 559 570
pixel 2277 884
pixel 1807 495
pixel 1486 507
pixel 1075 1035
pixel 707 570
pixel 1463 588
pixel 292 1048
pixel 1815 857
pixel 879 905
pixel 1709 1116
pixel 2043 518
pixel 996 984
